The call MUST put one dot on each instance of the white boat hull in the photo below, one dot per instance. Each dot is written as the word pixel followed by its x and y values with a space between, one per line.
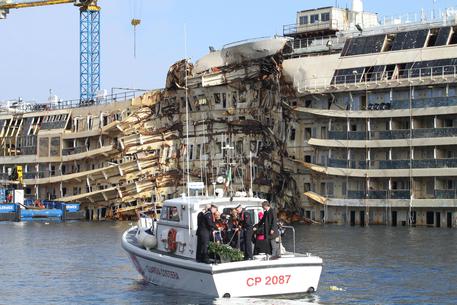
pixel 287 275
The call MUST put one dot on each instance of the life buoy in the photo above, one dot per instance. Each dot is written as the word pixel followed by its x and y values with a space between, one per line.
pixel 172 245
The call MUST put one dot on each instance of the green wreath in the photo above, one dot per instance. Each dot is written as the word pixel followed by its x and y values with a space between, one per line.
pixel 225 252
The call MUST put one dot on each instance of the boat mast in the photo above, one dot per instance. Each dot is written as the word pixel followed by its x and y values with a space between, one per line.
pixel 251 193
pixel 187 112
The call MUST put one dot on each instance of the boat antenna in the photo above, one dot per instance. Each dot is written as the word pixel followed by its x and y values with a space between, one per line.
pixel 187 111
pixel 189 222
pixel 155 202
pixel 251 193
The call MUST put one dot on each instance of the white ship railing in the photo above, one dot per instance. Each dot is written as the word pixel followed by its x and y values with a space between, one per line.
pixel 387 78
pixel 69 104
pixel 418 17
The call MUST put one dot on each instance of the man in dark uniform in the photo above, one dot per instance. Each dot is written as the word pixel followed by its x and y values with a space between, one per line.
pixel 204 230
pixel 247 229
pixel 270 227
pixel 200 218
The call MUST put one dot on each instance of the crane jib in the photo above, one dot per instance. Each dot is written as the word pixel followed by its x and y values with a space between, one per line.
pixel 90 5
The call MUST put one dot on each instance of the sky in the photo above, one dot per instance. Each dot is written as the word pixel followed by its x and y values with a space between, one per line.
pixel 39 47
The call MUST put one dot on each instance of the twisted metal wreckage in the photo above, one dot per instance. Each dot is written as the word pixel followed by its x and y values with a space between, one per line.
pixel 236 108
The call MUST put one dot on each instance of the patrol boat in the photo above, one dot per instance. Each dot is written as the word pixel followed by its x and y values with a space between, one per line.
pixel 167 258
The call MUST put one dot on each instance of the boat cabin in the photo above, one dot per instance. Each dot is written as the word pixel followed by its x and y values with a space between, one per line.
pixel 177 226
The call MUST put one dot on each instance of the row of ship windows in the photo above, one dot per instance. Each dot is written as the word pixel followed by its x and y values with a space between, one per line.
pixel 314 18
pixel 396 71
pixel 400 41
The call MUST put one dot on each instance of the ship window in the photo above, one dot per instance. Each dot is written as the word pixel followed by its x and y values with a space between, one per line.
pixel 198 153
pixel 303 20
pixel 325 17
pixel 432 37
pixel 315 18
pixel 330 189
pixel 202 100
pixel 373 44
pixel 292 134
pixel 217 98
pixel 443 36
pixel 218 147
pixel 390 69
pixel 170 213
pixel 307 134
pixel 410 40
pixel 224 99
pixel 307 187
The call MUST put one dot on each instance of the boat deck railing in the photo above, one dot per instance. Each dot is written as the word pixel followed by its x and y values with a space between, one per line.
pixel 293 236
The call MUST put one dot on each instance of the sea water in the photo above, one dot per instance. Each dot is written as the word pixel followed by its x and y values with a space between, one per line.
pixel 83 263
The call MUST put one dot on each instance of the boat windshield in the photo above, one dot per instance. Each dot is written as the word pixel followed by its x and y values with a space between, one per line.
pixel 170 213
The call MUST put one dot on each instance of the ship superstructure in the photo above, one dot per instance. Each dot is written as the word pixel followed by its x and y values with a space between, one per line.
pixel 347 118
pixel 376 122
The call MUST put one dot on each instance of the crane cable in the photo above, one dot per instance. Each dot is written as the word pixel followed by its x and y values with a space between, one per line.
pixel 136 8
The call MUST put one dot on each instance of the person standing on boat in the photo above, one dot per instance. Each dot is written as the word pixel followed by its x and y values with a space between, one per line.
pixel 247 231
pixel 200 219
pixel 233 232
pixel 270 228
pixel 261 244
pixel 205 227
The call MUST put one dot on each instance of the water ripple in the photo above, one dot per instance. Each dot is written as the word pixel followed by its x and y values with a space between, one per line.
pixel 83 263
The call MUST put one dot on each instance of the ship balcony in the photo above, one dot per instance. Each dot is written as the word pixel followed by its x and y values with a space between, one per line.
pixel 386 198
pixel 83 152
pixel 396 108
pixel 127 170
pixel 392 142
pixel 393 134
pixel 373 80
pixel 392 164
pixel 401 194
pixel 74 150
pixel 425 103
pixel 380 194
pixel 358 169
pixel 18 146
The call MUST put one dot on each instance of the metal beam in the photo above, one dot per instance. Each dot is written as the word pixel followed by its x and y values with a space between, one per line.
pixel 89 53
pixel 25 4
